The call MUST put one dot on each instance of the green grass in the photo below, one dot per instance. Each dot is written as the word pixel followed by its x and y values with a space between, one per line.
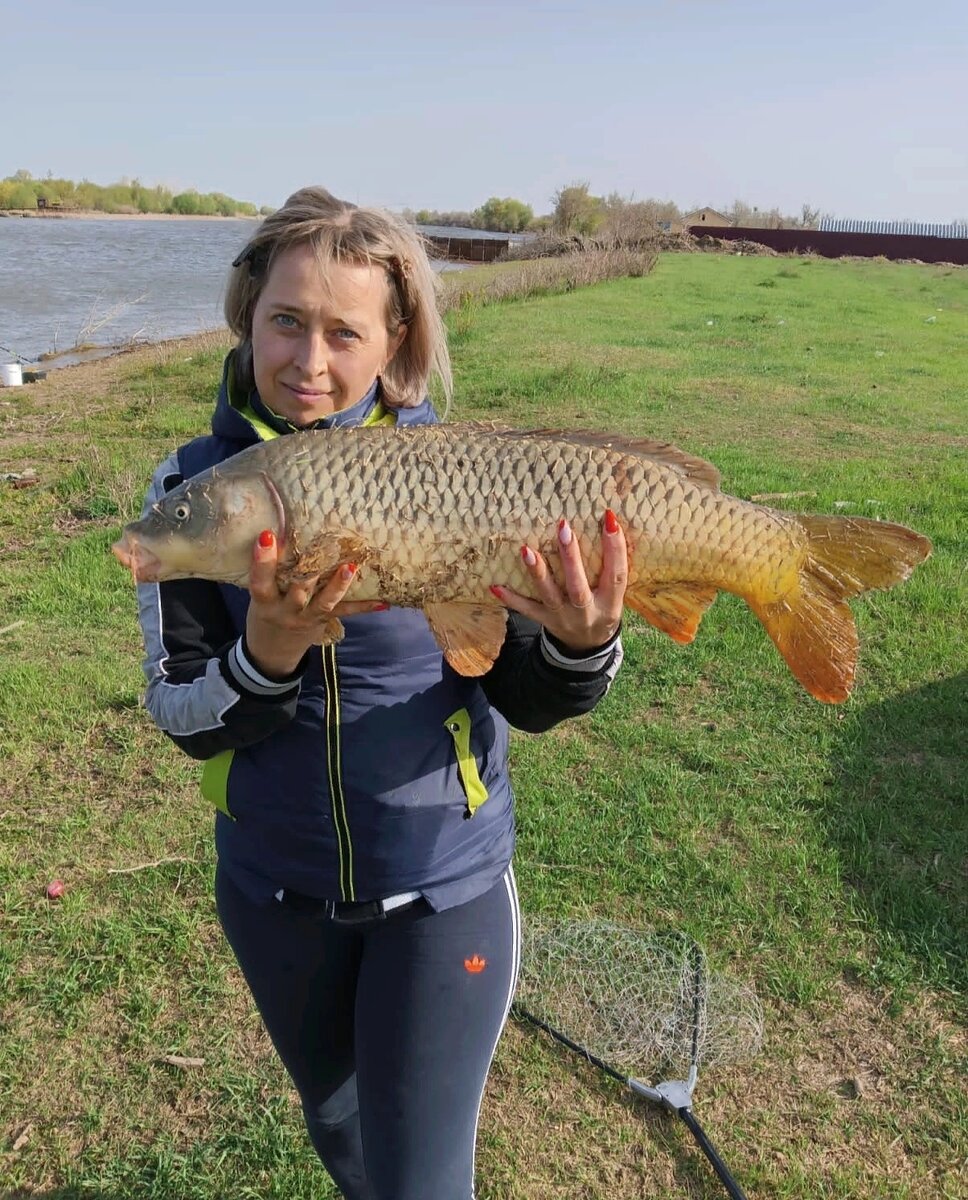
pixel 817 853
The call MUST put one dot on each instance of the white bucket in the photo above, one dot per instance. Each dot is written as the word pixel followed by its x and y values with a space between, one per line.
pixel 11 374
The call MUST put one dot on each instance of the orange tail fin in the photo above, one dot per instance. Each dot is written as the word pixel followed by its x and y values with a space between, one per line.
pixel 814 629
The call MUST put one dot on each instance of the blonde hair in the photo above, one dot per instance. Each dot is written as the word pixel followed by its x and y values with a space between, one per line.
pixel 343 233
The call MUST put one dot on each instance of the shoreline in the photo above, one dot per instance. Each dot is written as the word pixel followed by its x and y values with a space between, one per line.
pixel 94 364
pixel 92 214
pixel 97 354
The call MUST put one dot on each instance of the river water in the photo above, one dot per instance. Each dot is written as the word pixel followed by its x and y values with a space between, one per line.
pixel 65 282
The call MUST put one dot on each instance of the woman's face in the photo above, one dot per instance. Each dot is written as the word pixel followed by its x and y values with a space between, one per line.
pixel 316 351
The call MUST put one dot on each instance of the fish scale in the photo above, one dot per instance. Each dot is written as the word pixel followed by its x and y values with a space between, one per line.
pixel 434 515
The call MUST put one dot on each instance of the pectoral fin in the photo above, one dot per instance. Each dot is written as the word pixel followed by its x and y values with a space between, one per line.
pixel 331 632
pixel 470 635
pixel 675 608
pixel 323 555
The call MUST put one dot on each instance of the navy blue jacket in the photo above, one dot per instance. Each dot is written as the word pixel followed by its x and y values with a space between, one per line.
pixel 376 769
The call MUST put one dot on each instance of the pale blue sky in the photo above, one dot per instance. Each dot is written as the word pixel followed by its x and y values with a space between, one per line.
pixel 859 108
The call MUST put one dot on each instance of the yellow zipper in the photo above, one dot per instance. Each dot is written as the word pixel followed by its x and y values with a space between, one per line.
pixel 334 766
pixel 458 725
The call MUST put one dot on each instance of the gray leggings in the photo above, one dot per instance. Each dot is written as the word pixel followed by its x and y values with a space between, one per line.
pixel 387 1029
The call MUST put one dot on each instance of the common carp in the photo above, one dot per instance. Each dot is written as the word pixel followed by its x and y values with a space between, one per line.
pixel 433 515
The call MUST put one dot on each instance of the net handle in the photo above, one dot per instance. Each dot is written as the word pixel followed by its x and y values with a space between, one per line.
pixel 710 1151
pixel 675 1096
pixel 523 1015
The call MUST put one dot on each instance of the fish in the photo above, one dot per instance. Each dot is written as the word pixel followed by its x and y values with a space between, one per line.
pixel 433 515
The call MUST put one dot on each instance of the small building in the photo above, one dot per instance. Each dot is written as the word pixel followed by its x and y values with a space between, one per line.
pixel 707 216
pixel 460 244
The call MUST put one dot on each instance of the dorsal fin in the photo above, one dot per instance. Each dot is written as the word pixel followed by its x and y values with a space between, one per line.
pixel 698 470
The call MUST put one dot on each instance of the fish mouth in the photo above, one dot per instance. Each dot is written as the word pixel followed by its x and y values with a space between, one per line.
pixel 144 566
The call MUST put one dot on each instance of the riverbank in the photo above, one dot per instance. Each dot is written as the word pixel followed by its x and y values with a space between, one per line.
pixel 68 360
pixel 92 214
pixel 92 376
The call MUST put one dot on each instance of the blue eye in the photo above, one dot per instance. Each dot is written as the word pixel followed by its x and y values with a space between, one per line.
pixel 286 321
pixel 346 335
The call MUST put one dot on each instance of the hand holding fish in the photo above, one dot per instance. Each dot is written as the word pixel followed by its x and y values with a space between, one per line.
pixel 281 626
pixel 580 617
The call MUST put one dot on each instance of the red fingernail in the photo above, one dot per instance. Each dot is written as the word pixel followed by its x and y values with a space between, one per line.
pixel 528 555
pixel 266 538
pixel 496 591
pixel 349 570
pixel 381 608
pixel 611 521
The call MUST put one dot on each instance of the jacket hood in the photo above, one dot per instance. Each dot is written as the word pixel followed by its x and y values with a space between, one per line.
pixel 228 420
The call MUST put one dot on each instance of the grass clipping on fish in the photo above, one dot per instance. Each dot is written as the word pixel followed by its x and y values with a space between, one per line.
pixel 433 515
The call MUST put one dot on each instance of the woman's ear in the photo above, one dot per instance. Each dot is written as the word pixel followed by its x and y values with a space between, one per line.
pixel 394 344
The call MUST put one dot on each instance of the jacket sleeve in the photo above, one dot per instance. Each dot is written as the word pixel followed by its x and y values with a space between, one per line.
pixel 536 682
pixel 203 690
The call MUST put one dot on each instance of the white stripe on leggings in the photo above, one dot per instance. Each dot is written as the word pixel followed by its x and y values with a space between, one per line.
pixel 511 888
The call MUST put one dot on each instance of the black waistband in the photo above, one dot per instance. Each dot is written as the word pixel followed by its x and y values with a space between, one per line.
pixel 343 912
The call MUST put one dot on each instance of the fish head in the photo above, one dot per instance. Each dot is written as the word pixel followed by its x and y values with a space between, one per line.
pixel 203 529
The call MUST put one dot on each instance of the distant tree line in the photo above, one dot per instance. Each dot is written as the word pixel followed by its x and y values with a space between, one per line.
pixel 749 217
pixel 576 211
pixel 131 196
pixel 507 215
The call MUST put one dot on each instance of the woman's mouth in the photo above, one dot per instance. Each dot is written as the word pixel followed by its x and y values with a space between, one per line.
pixel 308 400
pixel 306 394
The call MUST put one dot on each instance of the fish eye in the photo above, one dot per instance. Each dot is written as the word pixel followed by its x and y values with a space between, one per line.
pixel 182 510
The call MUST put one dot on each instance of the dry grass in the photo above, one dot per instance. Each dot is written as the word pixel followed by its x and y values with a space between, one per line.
pixel 547 276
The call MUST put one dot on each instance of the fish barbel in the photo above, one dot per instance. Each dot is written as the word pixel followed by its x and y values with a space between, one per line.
pixel 432 515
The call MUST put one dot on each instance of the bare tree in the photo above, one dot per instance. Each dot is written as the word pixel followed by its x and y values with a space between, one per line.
pixel 809 217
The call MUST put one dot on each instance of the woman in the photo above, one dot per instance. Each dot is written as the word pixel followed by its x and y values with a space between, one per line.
pixel 366 825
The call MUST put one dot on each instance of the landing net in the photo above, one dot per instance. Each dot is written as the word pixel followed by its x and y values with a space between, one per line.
pixel 642 1001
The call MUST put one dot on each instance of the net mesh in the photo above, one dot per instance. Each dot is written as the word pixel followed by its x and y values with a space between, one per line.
pixel 640 1000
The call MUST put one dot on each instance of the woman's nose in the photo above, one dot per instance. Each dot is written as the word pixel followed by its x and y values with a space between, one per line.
pixel 310 354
